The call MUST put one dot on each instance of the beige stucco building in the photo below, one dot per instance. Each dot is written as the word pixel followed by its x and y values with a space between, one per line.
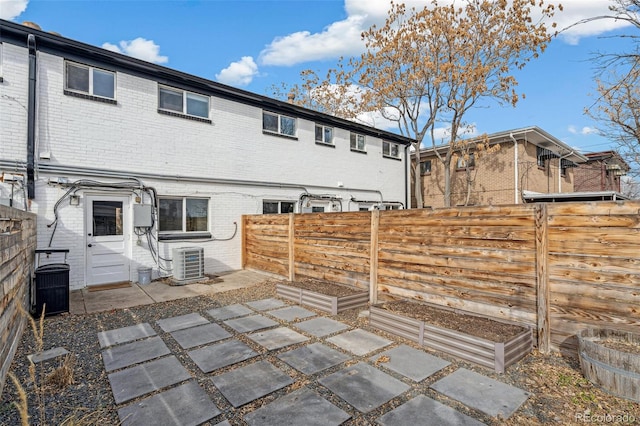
pixel 528 161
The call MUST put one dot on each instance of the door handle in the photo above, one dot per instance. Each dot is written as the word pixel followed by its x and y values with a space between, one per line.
pixel 89 245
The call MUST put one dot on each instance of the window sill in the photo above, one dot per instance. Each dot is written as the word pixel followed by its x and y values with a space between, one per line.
pixel 90 97
pixel 185 116
pixel 392 158
pixel 185 236
pixel 358 151
pixel 328 145
pixel 279 135
pixel 463 169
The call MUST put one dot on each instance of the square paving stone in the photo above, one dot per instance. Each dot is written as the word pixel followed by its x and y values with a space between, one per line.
pixel 482 393
pixel 125 334
pixel 199 335
pixel 145 378
pixel 277 338
pixel 292 313
pixel 266 304
pixel 134 353
pixel 410 362
pixel 359 342
pixel 364 386
pixel 210 358
pixel 422 410
pixel 313 358
pixel 304 407
pixel 231 311
pixel 321 326
pixel 182 321
pixel 250 323
pixel 249 383
pixel 186 404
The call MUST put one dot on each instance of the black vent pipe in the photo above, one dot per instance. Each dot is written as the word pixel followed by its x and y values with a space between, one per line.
pixel 31 118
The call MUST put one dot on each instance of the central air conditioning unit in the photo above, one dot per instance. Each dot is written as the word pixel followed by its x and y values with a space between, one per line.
pixel 188 264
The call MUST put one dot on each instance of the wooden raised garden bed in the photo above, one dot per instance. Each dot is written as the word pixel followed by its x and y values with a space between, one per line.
pixel 490 343
pixel 327 297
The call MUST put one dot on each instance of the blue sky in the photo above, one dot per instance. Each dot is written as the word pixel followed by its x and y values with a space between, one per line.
pixel 255 44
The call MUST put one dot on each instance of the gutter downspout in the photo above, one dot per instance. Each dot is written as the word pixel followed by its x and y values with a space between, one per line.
pixel 31 118
pixel 515 168
pixel 562 157
pixel 407 184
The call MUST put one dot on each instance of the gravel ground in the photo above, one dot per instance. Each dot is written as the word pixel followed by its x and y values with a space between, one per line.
pixel 559 393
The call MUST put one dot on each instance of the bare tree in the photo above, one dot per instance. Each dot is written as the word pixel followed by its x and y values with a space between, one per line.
pixel 425 69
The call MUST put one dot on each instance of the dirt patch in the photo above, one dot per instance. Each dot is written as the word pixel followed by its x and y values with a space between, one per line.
pixel 620 345
pixel 324 287
pixel 484 328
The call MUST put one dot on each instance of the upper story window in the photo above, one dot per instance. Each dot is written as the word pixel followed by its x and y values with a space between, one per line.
pixel 183 102
pixel 89 81
pixel 425 167
pixel 183 215
pixel 358 142
pixel 463 163
pixel 272 207
pixel 390 149
pixel 324 134
pixel 1 74
pixel 280 124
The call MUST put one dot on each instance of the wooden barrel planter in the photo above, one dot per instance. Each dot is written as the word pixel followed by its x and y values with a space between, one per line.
pixel 611 359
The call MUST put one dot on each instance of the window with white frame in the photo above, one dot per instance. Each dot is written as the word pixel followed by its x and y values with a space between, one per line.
pixel 390 149
pixel 425 167
pixel 90 81
pixel 358 142
pixel 274 207
pixel 183 215
pixel 279 124
pixel 463 163
pixel 324 134
pixel 183 102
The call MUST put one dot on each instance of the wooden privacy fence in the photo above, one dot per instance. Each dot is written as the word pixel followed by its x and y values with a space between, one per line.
pixel 557 267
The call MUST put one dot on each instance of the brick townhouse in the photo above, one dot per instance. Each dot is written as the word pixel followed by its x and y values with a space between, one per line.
pixel 128 164
pixel 601 172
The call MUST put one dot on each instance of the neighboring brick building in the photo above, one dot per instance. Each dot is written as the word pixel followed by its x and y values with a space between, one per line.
pixel 124 161
pixel 529 159
pixel 601 172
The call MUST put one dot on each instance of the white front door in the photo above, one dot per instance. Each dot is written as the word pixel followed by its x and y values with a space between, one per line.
pixel 108 228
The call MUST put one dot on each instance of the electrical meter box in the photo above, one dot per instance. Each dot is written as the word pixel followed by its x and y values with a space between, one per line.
pixel 142 215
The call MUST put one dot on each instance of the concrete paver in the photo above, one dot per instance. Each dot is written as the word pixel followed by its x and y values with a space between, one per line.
pixel 182 321
pixel 250 323
pixel 186 404
pixel 321 326
pixel 133 353
pixel 231 311
pixel 245 384
pixel 291 313
pixel 410 362
pixel 363 386
pixel 425 411
pixel 266 304
pixel 125 334
pixel 277 338
pixel 200 335
pixel 210 358
pixel 359 342
pixel 481 392
pixel 304 407
pixel 145 378
pixel 313 358
pixel 47 355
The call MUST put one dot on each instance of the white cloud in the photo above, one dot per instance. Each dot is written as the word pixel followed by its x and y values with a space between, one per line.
pixel 586 130
pixel 578 10
pixel 239 73
pixel 139 48
pixel 10 9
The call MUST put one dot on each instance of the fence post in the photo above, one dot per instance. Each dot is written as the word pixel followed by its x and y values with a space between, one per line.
pixel 373 257
pixel 292 259
pixel 243 239
pixel 542 278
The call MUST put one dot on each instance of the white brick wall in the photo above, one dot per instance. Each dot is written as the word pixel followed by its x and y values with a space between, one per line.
pixel 131 136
